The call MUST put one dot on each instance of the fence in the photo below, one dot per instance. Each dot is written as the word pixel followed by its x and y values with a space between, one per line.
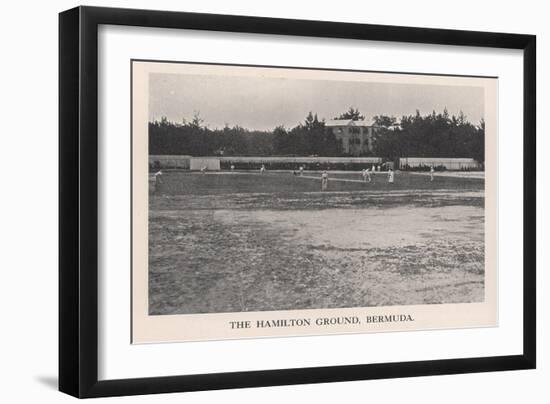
pixel 208 163
pixel 157 162
pixel 422 163
pixel 293 163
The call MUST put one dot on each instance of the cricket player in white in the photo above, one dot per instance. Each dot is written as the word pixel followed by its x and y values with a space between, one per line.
pixel 390 176
pixel 324 181
pixel 158 177
pixel 158 180
pixel 262 169
pixel 432 173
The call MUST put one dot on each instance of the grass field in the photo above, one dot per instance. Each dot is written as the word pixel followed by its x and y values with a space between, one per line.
pixel 245 241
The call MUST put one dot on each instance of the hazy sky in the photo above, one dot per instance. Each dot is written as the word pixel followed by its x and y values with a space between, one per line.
pixel 264 103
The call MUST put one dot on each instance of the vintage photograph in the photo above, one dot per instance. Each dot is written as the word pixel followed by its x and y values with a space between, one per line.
pixel 281 190
pixel 283 194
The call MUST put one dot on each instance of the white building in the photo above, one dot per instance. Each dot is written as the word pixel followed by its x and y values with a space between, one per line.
pixel 356 136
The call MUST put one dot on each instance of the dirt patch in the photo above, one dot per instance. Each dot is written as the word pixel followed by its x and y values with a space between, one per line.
pixel 205 260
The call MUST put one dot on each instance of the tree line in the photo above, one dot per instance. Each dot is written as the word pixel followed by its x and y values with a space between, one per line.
pixel 432 135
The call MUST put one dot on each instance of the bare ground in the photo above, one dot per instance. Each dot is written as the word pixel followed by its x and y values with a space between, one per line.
pixel 246 251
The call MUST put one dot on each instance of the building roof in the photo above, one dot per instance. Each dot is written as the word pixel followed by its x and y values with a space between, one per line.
pixel 349 122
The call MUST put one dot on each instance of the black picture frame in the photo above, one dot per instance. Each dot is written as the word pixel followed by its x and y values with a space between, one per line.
pixel 78 200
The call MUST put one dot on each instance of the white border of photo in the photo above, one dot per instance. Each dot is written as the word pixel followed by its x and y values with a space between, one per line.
pixel 119 359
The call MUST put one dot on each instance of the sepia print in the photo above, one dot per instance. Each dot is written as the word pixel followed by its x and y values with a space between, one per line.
pixel 275 201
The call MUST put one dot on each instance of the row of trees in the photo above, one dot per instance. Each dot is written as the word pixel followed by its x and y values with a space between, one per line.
pixel 308 138
pixel 193 138
pixel 433 135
